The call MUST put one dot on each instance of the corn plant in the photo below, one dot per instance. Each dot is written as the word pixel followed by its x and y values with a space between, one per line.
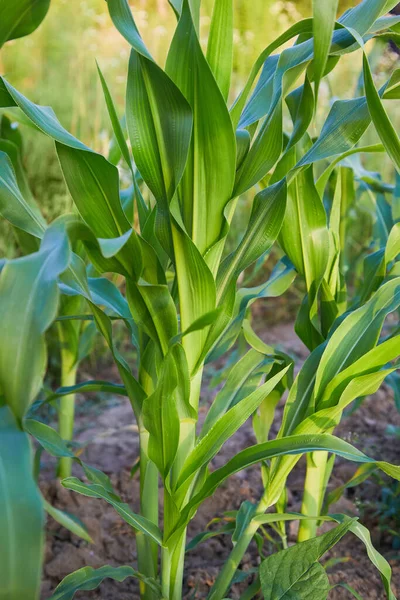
pixel 182 305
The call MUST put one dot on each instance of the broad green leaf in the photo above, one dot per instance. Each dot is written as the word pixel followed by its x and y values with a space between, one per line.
pixel 89 578
pixel 295 573
pixel 324 16
pixel 28 305
pixel 220 44
pixel 20 17
pixel 207 183
pixel 94 490
pixel 21 515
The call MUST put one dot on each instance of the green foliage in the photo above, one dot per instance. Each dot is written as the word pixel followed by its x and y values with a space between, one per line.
pixel 190 157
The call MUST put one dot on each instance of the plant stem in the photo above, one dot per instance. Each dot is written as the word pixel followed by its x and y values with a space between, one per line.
pixel 223 581
pixel 147 550
pixel 314 491
pixel 67 403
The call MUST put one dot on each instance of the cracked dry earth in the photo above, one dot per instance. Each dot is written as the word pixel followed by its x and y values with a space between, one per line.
pixel 116 452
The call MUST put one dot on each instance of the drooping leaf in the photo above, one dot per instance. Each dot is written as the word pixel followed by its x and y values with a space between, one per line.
pixel 21 514
pixel 89 578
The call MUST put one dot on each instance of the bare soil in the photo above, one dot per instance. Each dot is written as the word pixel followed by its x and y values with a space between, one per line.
pixel 114 449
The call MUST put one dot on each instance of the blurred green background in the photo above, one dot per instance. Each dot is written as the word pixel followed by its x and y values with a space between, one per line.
pixel 56 66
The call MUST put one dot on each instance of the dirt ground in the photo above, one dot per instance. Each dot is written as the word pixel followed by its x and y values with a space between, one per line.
pixel 116 450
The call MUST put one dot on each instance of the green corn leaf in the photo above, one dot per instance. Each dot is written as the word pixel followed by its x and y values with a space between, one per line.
pixel 87 387
pixel 300 103
pixel 357 334
pixel 264 151
pixel 93 181
pixel 115 122
pixel 21 18
pixel 296 572
pixel 206 535
pixel 13 205
pixel 94 490
pixel 21 514
pixel 375 557
pixel 279 281
pixel 392 89
pixel 29 301
pixel 263 228
pixel 196 287
pixel 324 16
pixel 135 391
pixel 304 233
pixel 363 472
pixel 159 121
pixel 324 177
pixel 293 445
pixel 260 101
pixel 207 182
pixel 242 380
pixel 344 126
pixel 220 44
pixel 304 26
pixel 68 521
pixel 15 155
pixel 301 393
pixel 122 18
pixel 48 438
pixel 161 419
pixel 225 427
pixel 243 517
pixel 327 418
pixel 154 311
pixel 369 362
pixel 89 578
pixel 380 119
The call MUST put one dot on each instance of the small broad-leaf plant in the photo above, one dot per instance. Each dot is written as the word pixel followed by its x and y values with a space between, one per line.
pixel 195 156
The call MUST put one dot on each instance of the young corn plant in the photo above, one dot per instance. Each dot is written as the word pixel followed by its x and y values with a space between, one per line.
pixel 182 306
